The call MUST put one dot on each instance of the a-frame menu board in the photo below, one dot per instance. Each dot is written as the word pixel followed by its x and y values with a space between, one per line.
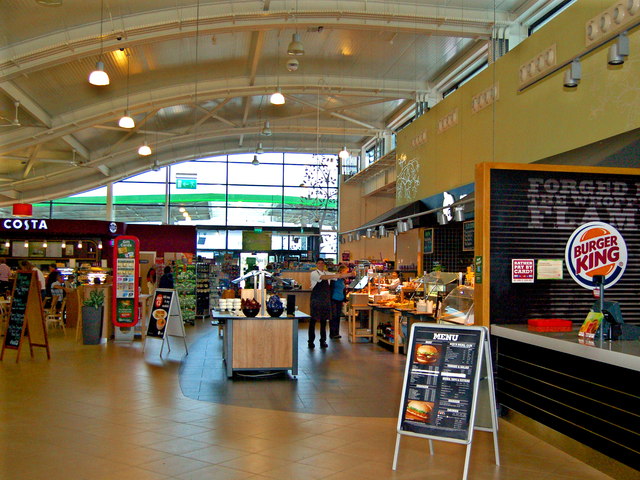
pixel 26 317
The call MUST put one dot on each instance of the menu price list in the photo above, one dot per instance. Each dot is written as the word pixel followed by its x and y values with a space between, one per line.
pixel 18 309
pixel 125 279
pixel 439 393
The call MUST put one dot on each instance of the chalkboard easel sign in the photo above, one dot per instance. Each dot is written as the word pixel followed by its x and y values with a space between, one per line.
pixel 26 316
pixel 165 318
pixel 441 383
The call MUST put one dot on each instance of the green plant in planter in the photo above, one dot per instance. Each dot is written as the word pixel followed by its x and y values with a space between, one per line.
pixel 95 300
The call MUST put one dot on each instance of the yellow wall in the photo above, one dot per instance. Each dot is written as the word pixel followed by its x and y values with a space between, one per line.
pixel 355 211
pixel 522 127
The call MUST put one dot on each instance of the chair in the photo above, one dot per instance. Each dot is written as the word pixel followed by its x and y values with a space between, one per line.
pixel 56 317
pixel 4 317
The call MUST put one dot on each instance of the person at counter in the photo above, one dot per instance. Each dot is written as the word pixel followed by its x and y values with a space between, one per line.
pixel 166 280
pixel 5 274
pixel 321 301
pixel 394 281
pixel 338 298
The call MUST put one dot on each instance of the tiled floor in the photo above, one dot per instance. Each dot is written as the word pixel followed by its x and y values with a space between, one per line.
pixel 114 412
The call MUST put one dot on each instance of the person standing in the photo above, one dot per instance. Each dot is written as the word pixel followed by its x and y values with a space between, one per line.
pixel 321 302
pixel 26 265
pixel 166 280
pixel 5 274
pixel 337 300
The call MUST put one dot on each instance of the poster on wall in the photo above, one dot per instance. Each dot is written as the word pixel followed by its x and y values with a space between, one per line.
pixel 522 270
pixel 468 231
pixel 549 269
pixel 427 246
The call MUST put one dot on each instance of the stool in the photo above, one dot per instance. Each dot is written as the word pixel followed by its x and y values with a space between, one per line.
pixel 352 316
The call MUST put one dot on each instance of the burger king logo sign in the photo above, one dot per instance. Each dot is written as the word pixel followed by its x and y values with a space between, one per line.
pixel 596 248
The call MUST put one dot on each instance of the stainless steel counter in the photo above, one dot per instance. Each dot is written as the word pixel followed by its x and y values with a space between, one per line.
pixel 621 353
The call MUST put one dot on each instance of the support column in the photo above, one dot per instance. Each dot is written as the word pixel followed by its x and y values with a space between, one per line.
pixel 110 212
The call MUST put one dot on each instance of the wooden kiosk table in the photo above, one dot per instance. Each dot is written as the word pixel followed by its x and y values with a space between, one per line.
pixel 391 316
pixel 259 343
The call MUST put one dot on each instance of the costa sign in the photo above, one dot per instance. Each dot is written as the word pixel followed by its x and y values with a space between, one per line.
pixel 22 224
pixel 596 248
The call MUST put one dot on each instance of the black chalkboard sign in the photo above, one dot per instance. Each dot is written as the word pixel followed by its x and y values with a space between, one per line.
pixel 18 308
pixel 160 311
pixel 441 382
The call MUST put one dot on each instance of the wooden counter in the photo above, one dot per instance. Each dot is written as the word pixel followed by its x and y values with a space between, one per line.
pixel 303 298
pixel 259 343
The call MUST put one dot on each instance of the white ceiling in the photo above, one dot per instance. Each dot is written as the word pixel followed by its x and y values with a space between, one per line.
pixel 200 75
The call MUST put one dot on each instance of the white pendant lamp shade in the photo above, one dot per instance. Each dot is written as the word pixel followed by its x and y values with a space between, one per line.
pixel 277 98
pixel 344 153
pixel 260 149
pixel 295 47
pixel 144 150
pixel 99 77
pixel 126 121
pixel 266 130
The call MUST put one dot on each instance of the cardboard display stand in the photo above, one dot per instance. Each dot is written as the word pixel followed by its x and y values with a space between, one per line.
pixel 165 318
pixel 26 317
pixel 441 384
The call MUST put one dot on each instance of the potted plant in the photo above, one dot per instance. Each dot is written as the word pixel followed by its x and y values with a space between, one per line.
pixel 92 318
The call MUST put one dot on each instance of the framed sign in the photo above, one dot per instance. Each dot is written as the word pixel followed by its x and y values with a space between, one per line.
pixel 441 386
pixel 468 231
pixel 427 242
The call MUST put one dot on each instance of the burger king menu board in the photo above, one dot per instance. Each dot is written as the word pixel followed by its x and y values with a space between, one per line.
pixel 160 310
pixel 441 380
pixel 440 390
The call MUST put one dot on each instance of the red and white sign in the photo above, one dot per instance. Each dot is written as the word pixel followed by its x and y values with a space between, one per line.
pixel 596 248
pixel 522 270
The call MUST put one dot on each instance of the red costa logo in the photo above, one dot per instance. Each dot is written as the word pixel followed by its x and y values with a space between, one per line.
pixel 596 248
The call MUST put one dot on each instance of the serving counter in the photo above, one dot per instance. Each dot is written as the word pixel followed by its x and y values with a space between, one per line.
pixel 259 343
pixel 590 394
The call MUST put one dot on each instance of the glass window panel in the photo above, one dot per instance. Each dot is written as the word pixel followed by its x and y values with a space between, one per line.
pixel 213 195
pixel 200 213
pixel 255 196
pixel 139 213
pixel 206 172
pixel 205 254
pixel 304 158
pixel 140 193
pixel 84 211
pixel 253 217
pixel 153 176
pixel 40 210
pixel 234 240
pixel 270 157
pixel 277 241
pixel 212 239
pixel 295 197
pixel 248 174
pixel 241 158
pixel 97 195
pixel 329 243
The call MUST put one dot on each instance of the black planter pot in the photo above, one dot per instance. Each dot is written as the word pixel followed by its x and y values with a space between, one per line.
pixel 91 325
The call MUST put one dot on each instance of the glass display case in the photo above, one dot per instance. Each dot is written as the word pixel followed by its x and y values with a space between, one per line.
pixel 457 307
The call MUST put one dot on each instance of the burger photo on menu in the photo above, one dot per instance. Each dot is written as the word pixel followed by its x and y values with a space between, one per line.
pixel 427 354
pixel 418 411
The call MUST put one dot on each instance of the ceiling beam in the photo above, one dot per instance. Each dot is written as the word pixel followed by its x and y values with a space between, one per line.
pixel 334 114
pixel 155 26
pixel 32 158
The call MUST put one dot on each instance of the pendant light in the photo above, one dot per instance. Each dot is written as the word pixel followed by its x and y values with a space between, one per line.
pixel 260 150
pixel 344 153
pixel 79 244
pixel 295 46
pixel 99 77
pixel 144 150
pixel 44 244
pixel 100 244
pixel 126 121
pixel 266 130
pixel 64 244
pixel 255 160
pixel 7 244
pixel 277 98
